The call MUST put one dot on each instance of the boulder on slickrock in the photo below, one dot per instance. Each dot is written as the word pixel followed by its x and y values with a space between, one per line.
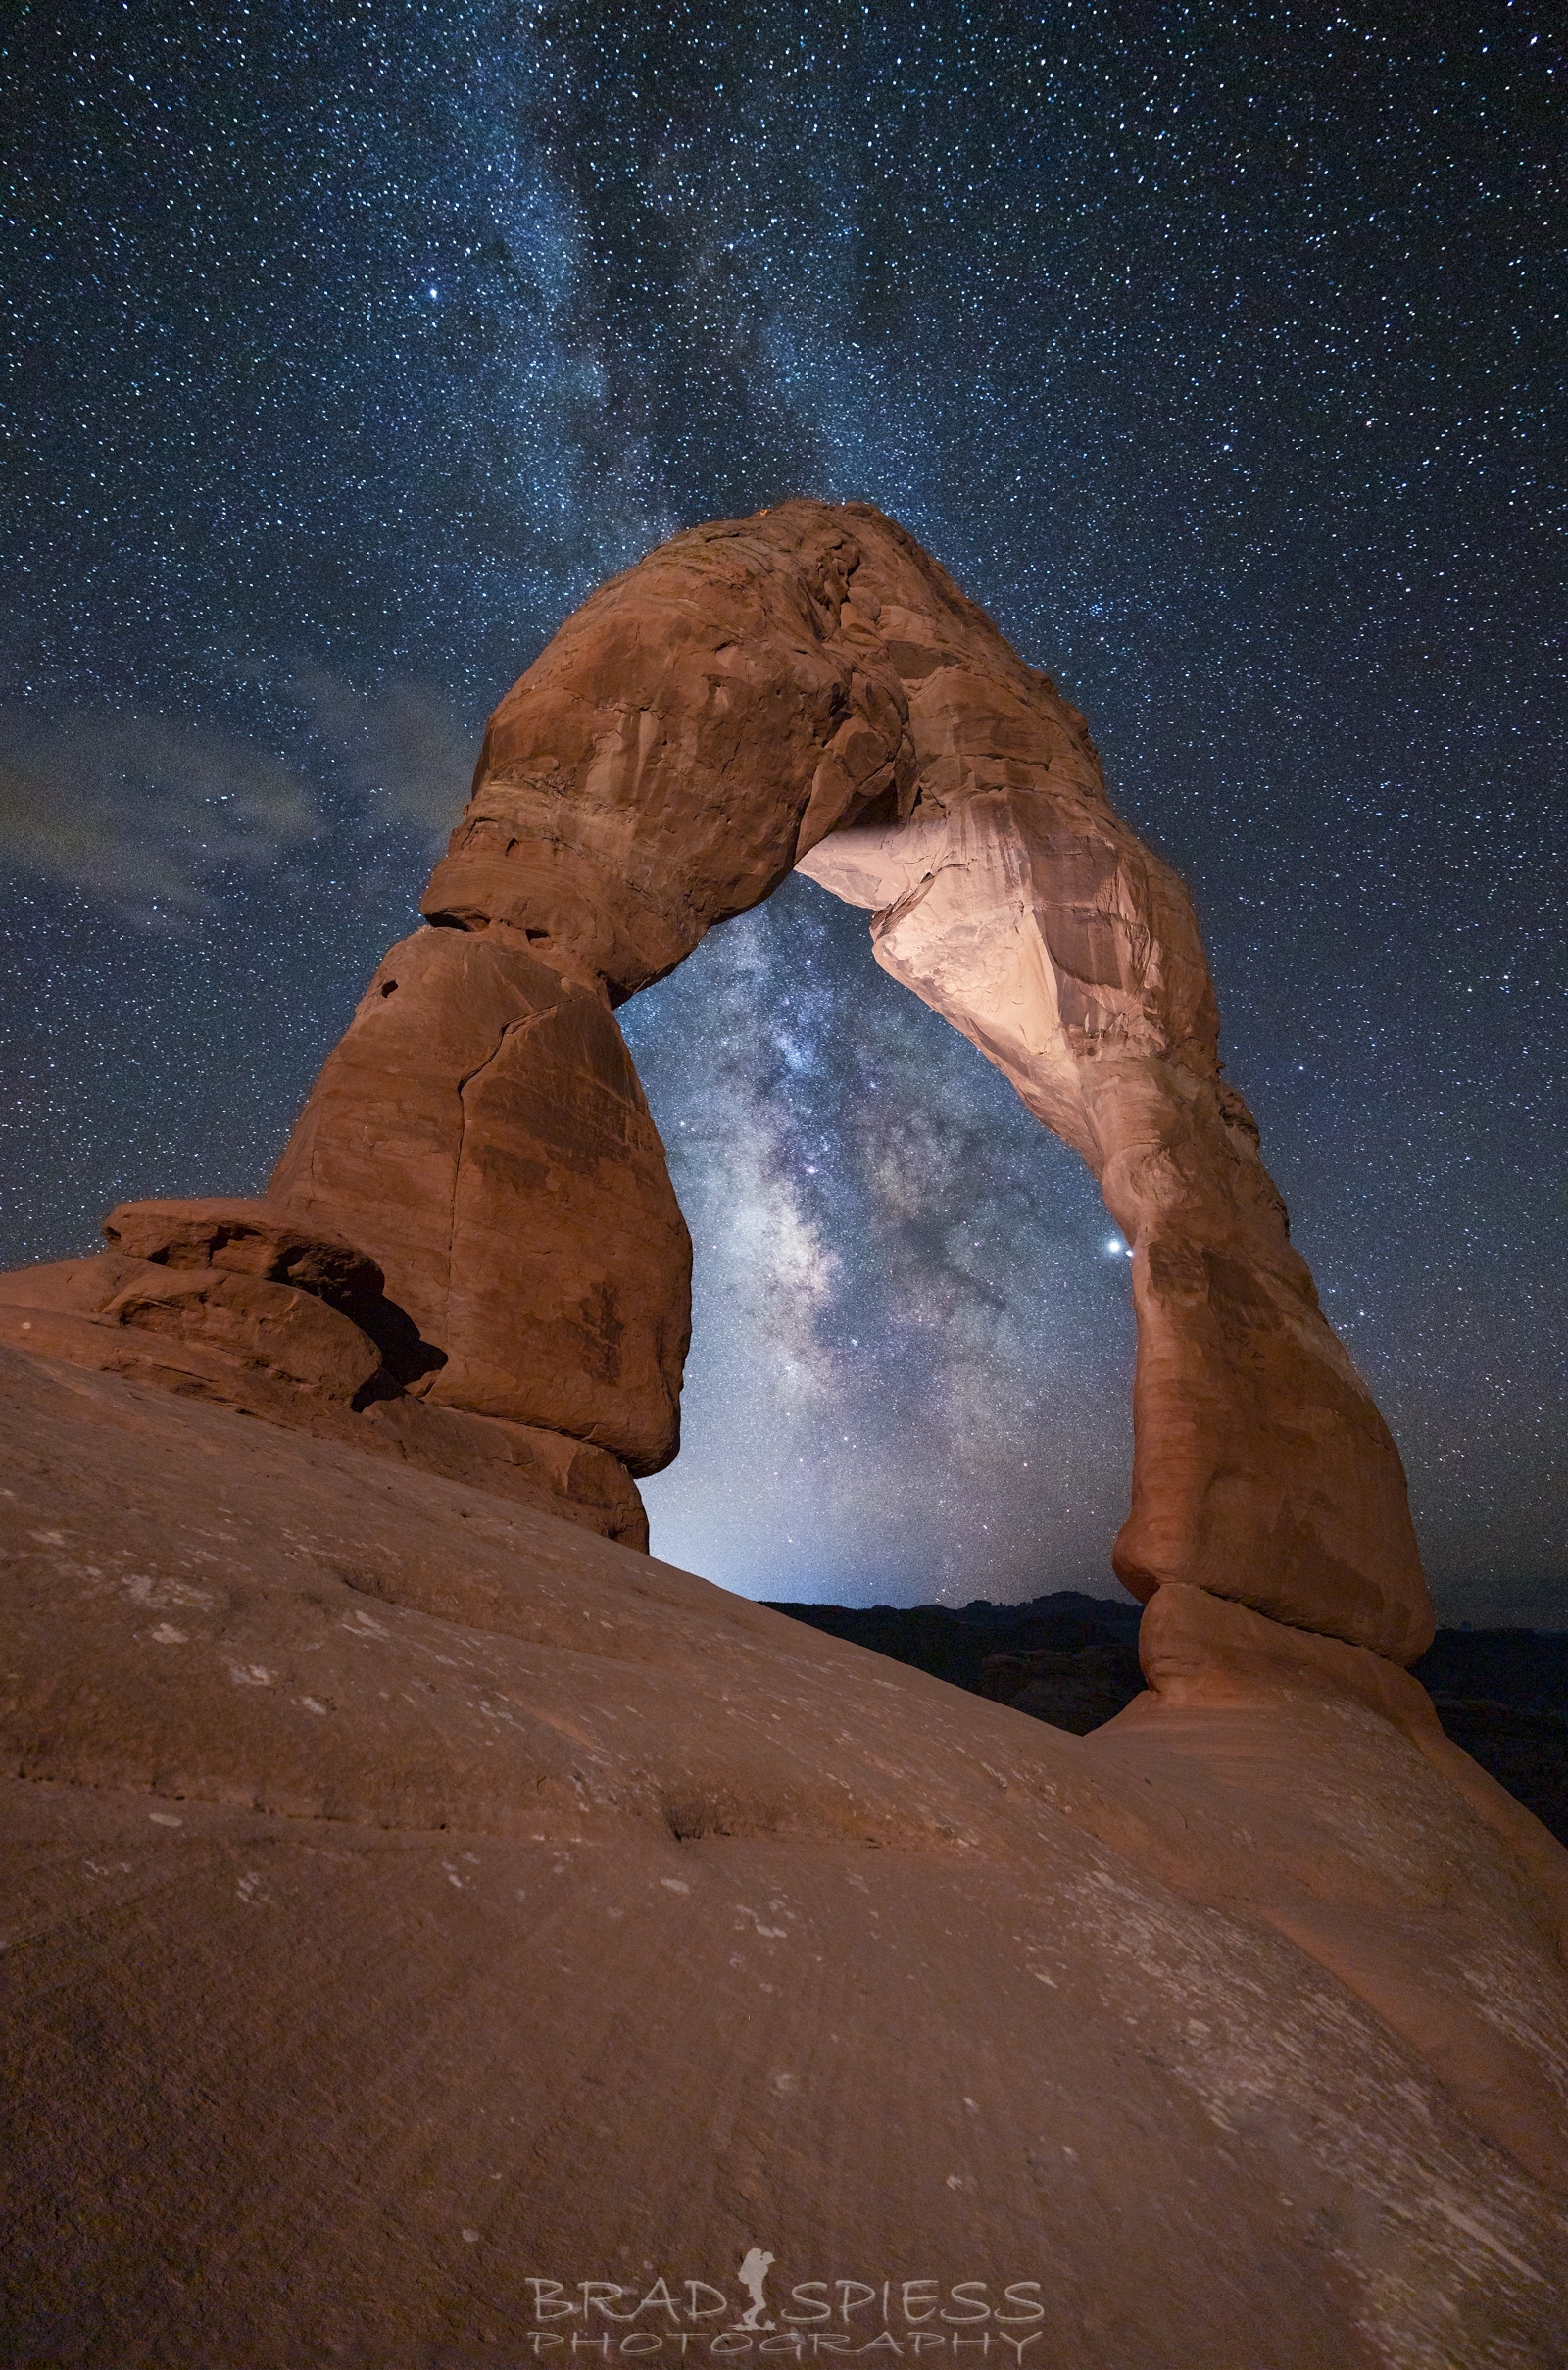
pixel 289 1334
pixel 260 1238
pixel 481 1129
pixel 227 1326
pixel 203 1314
pixel 245 1238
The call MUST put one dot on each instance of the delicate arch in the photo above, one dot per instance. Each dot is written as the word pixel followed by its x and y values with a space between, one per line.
pixel 808 688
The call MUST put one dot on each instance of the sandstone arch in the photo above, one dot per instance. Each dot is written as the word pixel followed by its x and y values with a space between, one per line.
pixel 808 688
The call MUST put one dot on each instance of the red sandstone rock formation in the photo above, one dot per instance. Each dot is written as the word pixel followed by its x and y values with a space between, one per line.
pixel 244 1237
pixel 809 688
pixel 482 1130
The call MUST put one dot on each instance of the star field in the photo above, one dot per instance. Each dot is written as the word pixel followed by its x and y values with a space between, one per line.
pixel 1217 350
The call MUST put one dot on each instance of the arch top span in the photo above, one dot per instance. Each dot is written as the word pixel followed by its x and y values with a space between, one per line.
pixel 808 688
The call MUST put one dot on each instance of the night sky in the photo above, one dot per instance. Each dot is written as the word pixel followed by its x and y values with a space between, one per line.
pixel 1217 351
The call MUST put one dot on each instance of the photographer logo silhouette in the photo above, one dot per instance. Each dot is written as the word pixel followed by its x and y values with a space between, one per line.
pixel 753 2271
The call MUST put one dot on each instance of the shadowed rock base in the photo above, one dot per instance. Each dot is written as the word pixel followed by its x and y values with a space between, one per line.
pixel 409 1896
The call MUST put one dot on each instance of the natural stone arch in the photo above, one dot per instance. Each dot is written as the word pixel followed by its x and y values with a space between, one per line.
pixel 809 689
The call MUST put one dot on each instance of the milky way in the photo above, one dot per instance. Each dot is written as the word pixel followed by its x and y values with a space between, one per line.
pixel 1217 351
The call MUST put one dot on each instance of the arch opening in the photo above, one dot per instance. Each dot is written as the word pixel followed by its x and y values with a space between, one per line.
pixel 911 1348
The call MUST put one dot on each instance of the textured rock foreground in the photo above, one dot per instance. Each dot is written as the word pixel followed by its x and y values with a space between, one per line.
pixel 410 1895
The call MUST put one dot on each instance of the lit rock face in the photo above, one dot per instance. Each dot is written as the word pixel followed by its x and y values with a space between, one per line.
pixel 695 726
pixel 1018 905
pixel 808 688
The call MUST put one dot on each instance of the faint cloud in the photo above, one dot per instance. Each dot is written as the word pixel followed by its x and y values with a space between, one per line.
pixel 405 748
pixel 142 812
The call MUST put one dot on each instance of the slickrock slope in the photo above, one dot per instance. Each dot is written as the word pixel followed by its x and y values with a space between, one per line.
pixel 410 1895
pixel 1072 1661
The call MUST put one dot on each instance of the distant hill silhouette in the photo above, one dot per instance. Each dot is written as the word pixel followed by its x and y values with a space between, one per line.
pixel 1072 1659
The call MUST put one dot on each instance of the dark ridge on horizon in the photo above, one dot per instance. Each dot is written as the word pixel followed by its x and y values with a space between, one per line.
pixel 1071 1659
